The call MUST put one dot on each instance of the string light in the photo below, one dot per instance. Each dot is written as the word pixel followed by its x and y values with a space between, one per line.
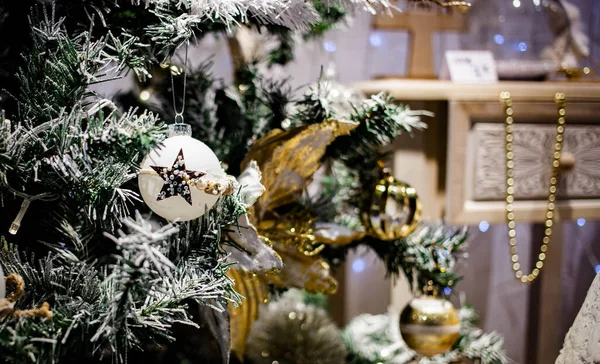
pixel 522 46
pixel 358 265
pixel 484 226
pixel 376 40
pixel 145 95
pixel 581 221
pixel 329 46
pixel 499 39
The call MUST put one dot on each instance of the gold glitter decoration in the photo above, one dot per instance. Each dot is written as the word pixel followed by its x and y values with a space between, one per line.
pixel 288 160
pixel 242 316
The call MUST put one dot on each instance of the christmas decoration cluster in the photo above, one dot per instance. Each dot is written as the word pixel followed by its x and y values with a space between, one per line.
pixel 133 232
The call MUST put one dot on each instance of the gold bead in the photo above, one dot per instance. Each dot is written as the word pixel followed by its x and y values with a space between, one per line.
pixel 514 258
pixel 509 173
pixel 551 206
pixel 551 198
pixel 549 214
pixel 511 233
pixel 559 138
pixel 560 129
pixel 513 250
pixel 509 111
pixel 509 207
pixel 548 231
pixel 531 278
pixel 504 95
pixel 512 241
pixel 509 190
pixel 557 146
pixel 509 120
pixel 510 215
pixel 516 266
pixel 546 240
pixel 559 96
pixel 509 155
pixel 553 180
pixel 535 272
pixel 519 274
pixel 549 223
pixel 509 146
pixel 510 199
pixel 561 120
pixel 510 181
pixel 524 279
pixel 542 256
pixel 543 248
pixel 555 164
pixel 511 224
pixel 539 265
pixel 509 138
pixel 562 112
pixel 557 155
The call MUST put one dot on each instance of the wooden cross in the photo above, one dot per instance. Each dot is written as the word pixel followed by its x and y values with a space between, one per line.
pixel 421 25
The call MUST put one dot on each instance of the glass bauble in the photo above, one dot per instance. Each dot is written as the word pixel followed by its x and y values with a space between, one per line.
pixel 429 325
pixel 181 199
pixel 394 210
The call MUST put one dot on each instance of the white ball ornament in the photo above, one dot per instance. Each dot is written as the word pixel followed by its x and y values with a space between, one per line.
pixel 173 176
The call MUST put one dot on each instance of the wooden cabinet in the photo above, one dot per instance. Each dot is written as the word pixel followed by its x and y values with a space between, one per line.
pixel 463 150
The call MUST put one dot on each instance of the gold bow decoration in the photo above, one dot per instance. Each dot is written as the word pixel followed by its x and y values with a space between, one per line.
pixel 287 160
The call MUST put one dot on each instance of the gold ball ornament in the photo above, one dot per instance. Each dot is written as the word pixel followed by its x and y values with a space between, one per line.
pixel 429 325
pixel 394 210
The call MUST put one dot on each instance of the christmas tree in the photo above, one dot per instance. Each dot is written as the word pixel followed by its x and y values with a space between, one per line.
pixel 125 239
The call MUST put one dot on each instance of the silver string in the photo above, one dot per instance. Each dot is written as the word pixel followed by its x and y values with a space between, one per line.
pixel 180 114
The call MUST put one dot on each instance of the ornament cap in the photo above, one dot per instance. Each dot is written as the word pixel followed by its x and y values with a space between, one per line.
pixel 430 289
pixel 180 129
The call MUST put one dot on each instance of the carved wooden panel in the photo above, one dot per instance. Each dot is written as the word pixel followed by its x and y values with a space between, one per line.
pixel 533 148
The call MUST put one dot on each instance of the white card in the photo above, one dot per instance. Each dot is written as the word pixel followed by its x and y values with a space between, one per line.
pixel 469 67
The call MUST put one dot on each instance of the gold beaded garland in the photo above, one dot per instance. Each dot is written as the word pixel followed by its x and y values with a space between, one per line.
pixel 560 129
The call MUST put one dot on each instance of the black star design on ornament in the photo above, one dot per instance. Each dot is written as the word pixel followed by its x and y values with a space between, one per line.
pixel 178 180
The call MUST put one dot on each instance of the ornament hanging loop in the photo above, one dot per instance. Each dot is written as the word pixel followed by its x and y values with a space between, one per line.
pixel 179 118
pixel 179 114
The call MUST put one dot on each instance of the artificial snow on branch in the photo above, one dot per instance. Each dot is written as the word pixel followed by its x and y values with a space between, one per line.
pixel 294 14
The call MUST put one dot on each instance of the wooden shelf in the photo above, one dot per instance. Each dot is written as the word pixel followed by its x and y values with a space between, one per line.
pixel 428 90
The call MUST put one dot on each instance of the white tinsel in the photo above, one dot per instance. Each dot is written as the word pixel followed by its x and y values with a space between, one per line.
pixel 294 14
